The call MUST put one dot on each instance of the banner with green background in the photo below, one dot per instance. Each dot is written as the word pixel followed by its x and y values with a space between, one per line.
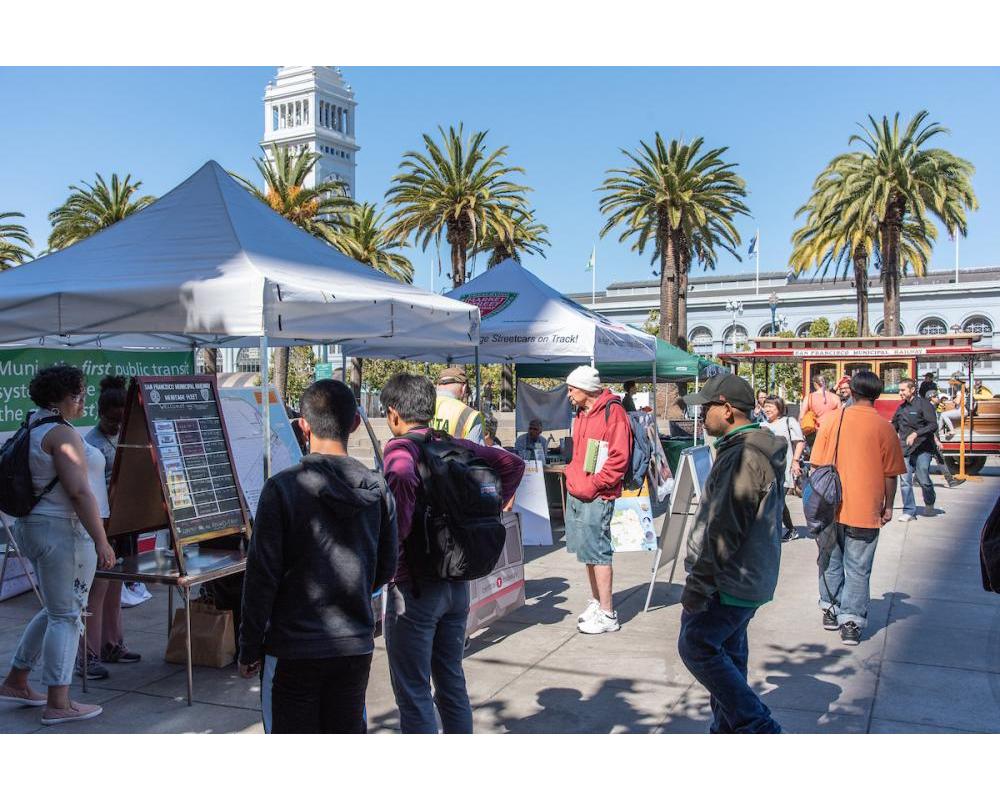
pixel 18 366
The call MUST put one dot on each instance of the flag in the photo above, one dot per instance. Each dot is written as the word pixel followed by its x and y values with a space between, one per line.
pixel 753 245
pixel 592 262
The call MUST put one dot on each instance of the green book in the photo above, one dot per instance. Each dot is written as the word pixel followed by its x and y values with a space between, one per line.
pixel 597 454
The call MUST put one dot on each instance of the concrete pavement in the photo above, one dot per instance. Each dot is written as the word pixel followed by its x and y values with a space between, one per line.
pixel 930 660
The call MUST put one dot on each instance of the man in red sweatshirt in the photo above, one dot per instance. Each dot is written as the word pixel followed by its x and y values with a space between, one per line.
pixel 602 447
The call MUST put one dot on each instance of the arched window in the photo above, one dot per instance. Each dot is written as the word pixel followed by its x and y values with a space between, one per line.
pixel 740 338
pixel 932 326
pixel 803 329
pixel 880 329
pixel 765 330
pixel 701 340
pixel 978 324
pixel 248 359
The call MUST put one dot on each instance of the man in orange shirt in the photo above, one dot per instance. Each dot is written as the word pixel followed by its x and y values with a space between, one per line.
pixel 865 449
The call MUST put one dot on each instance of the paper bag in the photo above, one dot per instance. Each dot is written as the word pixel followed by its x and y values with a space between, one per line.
pixel 213 637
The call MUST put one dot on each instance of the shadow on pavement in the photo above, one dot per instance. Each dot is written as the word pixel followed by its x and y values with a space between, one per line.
pixel 891 604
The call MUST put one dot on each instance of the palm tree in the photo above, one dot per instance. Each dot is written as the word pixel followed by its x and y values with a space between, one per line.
pixel 321 210
pixel 11 253
pixel 527 236
pixel 896 180
pixel 96 207
pixel 457 191
pixel 364 239
pixel 682 202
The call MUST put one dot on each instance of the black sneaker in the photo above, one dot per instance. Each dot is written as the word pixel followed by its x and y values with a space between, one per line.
pixel 790 535
pixel 850 634
pixel 119 653
pixel 95 672
pixel 830 619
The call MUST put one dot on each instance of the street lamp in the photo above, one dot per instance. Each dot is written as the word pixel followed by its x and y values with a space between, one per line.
pixel 734 307
pixel 772 301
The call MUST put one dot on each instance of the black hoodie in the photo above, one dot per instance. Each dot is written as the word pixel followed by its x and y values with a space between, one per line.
pixel 324 538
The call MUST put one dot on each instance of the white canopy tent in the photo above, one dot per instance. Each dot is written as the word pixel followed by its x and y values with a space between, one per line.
pixel 210 265
pixel 524 320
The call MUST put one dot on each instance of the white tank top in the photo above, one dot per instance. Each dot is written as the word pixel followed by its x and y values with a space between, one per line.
pixel 56 503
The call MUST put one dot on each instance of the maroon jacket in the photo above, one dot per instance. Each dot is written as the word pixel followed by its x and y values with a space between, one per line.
pixel 617 432
pixel 401 456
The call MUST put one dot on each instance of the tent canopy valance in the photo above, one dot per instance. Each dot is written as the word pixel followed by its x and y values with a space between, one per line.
pixel 672 364
pixel 210 265
pixel 524 320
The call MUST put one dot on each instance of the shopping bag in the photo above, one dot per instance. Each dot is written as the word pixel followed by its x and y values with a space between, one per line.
pixel 213 637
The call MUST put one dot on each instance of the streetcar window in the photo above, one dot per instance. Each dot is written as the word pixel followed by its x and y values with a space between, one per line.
pixel 892 372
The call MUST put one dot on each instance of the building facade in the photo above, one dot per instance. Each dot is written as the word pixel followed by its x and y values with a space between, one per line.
pixel 726 311
pixel 314 108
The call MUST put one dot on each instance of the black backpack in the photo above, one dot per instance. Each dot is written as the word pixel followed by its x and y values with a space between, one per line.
pixel 822 493
pixel 17 494
pixel 457 534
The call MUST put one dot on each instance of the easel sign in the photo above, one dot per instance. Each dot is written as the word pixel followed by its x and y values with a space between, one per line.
pixel 173 467
pixel 692 473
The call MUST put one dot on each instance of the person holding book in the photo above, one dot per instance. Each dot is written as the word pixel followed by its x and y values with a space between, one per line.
pixel 602 446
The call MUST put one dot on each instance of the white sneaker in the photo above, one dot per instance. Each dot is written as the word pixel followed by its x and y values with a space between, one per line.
pixel 600 622
pixel 588 612
pixel 907 517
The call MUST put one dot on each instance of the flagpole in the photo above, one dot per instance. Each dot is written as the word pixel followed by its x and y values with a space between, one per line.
pixel 757 250
pixel 593 277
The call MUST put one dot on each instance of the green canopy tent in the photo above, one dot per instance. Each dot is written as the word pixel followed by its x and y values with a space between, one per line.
pixel 672 364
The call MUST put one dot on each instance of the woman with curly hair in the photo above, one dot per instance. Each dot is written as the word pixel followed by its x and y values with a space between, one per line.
pixel 63 537
pixel 105 639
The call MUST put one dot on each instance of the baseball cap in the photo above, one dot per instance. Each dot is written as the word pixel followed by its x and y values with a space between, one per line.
pixel 452 375
pixel 725 388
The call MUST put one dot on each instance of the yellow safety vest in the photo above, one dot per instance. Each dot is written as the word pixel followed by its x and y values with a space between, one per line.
pixel 454 417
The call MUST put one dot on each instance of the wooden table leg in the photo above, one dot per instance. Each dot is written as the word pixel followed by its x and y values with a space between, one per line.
pixel 187 624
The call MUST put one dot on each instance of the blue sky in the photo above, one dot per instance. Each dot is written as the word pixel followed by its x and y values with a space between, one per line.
pixel 564 126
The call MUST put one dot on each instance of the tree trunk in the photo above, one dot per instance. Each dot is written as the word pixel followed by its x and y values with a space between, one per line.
pixel 280 381
pixel 210 358
pixel 891 229
pixel 669 272
pixel 458 237
pixel 356 368
pixel 861 290
pixel 682 310
pixel 507 387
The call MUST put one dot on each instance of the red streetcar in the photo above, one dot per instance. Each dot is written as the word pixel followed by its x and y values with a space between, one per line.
pixel 892 359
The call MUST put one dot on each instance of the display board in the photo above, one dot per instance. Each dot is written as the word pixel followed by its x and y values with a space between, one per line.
pixel 692 473
pixel 174 467
pixel 502 591
pixel 245 424
pixel 632 524
pixel 532 504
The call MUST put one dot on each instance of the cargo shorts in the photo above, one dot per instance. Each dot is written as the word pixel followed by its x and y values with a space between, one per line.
pixel 588 530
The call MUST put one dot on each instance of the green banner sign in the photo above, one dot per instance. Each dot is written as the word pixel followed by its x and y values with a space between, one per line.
pixel 19 366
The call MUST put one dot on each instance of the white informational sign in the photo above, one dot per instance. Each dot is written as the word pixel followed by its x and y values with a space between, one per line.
pixel 692 472
pixel 632 525
pixel 532 504
pixel 244 424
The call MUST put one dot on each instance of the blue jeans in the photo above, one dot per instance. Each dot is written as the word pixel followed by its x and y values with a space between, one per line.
pixel 63 557
pixel 425 641
pixel 713 646
pixel 843 585
pixel 918 465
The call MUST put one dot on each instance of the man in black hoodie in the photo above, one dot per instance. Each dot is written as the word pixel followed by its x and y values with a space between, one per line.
pixel 324 539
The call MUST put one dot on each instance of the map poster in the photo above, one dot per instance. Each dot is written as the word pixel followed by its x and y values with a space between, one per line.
pixel 632 525
pixel 173 467
pixel 241 412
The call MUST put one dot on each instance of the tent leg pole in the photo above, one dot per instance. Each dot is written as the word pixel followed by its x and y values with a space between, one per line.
pixel 265 402
pixel 697 411
pixel 653 399
pixel 479 397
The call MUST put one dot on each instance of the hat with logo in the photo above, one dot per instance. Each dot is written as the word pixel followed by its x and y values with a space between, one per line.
pixel 452 375
pixel 725 388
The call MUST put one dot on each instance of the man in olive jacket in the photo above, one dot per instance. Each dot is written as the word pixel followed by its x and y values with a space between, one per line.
pixel 733 554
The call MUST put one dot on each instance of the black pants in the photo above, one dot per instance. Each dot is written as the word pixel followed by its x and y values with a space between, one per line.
pixel 786 517
pixel 319 695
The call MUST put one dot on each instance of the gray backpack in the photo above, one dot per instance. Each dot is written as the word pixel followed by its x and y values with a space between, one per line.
pixel 822 493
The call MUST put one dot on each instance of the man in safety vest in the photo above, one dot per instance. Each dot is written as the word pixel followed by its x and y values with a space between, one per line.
pixel 451 414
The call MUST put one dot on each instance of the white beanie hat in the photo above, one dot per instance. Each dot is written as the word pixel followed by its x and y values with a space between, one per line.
pixel 585 378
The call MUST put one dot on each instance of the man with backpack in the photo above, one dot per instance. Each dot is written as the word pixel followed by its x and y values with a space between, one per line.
pixel 733 554
pixel 602 453
pixel 449 494
pixel 867 457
